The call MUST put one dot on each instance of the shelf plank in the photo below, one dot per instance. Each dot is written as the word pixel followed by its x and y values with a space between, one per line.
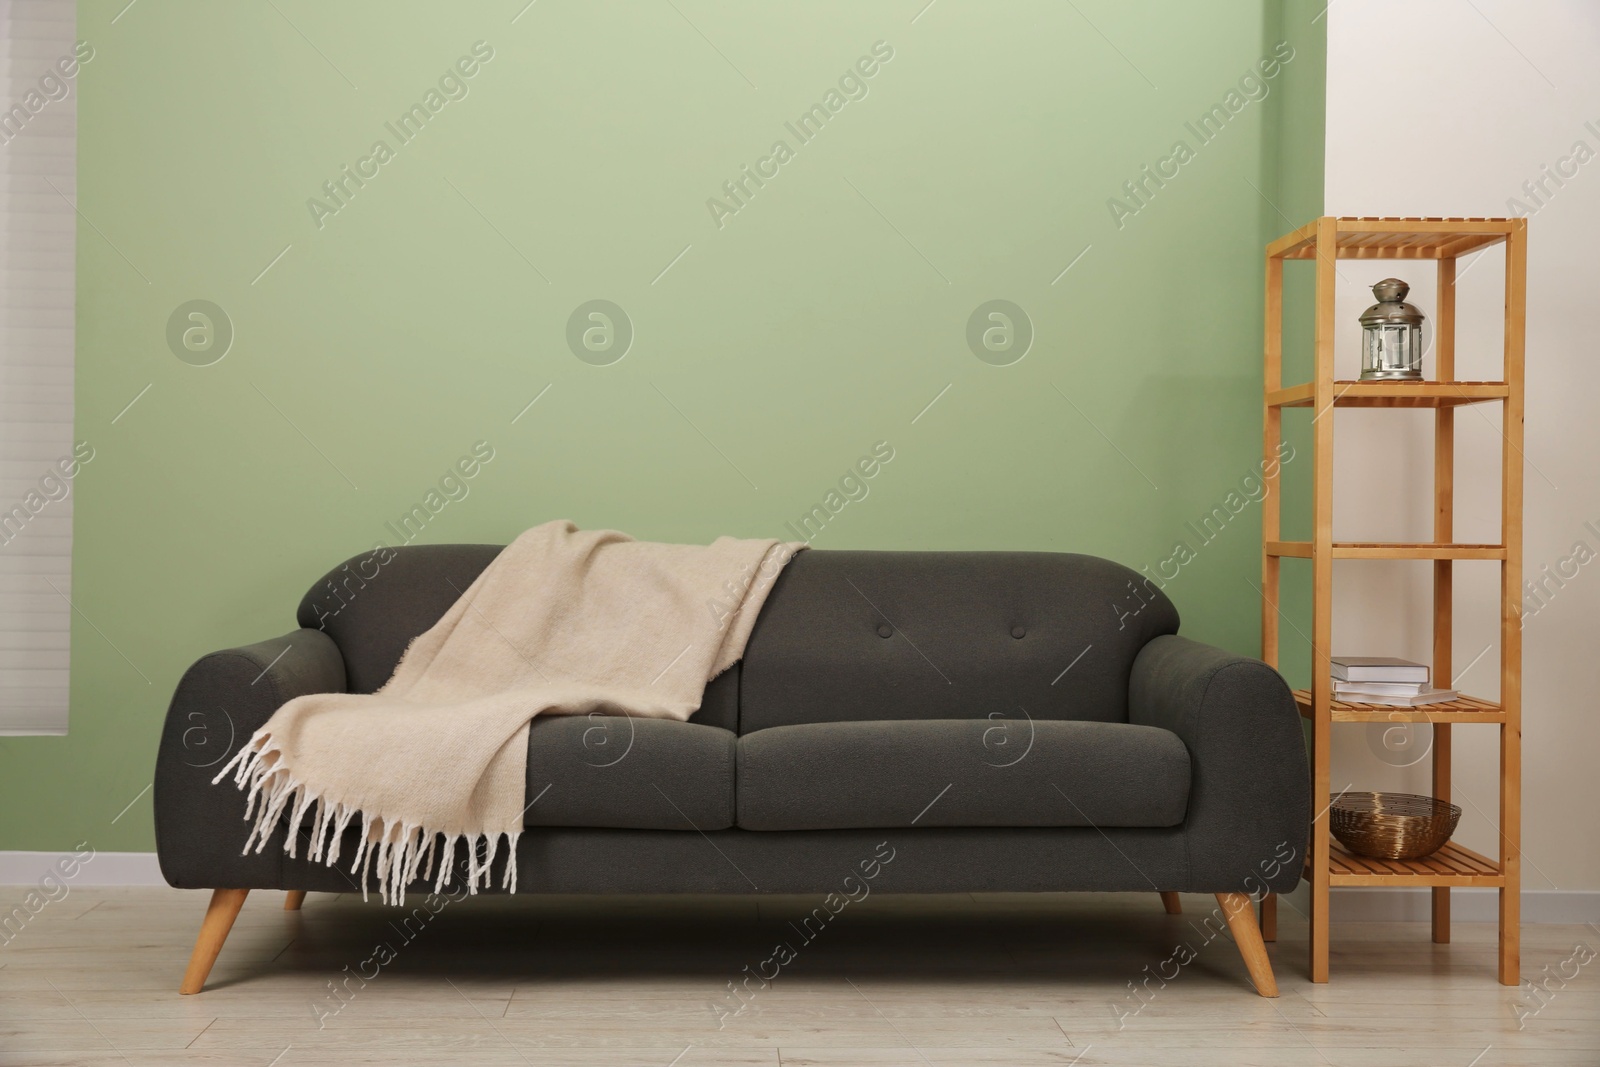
pixel 1370 225
pixel 1359 394
pixel 1386 550
pixel 1414 550
pixel 1462 709
pixel 1452 865
pixel 1294 396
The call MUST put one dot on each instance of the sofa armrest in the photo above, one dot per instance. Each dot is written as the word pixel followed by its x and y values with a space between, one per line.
pixel 219 703
pixel 1248 821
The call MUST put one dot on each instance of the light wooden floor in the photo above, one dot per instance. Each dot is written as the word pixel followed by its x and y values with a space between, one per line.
pixel 945 981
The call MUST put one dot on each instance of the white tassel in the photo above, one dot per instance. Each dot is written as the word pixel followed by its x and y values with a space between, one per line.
pixel 386 861
pixel 361 847
pixel 280 793
pixel 258 776
pixel 296 817
pixel 319 818
pixel 330 853
pixel 419 852
pixel 395 855
pixel 366 858
pixel 510 880
pixel 380 866
pixel 431 853
pixel 401 864
pixel 336 839
pixel 414 855
pixel 327 812
pixel 446 863
pixel 398 859
pixel 488 864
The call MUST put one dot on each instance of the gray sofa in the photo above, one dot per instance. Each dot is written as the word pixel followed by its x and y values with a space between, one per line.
pixel 1000 721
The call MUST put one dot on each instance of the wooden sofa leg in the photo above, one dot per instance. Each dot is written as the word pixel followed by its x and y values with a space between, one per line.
pixel 1269 917
pixel 1241 914
pixel 293 900
pixel 220 913
pixel 1172 903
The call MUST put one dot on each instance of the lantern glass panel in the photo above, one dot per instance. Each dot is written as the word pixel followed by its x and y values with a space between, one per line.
pixel 1392 350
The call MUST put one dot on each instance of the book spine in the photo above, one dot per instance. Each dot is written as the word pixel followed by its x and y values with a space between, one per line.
pixel 1384 679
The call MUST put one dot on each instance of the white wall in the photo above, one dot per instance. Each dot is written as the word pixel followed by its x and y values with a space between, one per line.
pixel 1445 107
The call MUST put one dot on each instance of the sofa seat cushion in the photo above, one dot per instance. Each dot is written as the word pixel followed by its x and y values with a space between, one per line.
pixel 629 773
pixel 961 772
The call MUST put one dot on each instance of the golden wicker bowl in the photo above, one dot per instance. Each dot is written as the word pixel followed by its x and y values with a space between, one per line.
pixel 1392 826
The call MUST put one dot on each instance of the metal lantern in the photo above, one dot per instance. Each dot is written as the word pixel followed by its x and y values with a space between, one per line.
pixel 1391 335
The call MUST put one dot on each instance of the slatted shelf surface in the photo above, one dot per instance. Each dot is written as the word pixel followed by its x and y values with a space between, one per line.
pixel 1388 550
pixel 1454 865
pixel 1463 709
pixel 1397 238
pixel 1348 393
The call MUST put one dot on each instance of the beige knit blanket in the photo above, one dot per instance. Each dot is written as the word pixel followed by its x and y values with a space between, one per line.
pixel 563 622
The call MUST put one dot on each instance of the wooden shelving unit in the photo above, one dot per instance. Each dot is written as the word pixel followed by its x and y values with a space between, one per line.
pixel 1325 241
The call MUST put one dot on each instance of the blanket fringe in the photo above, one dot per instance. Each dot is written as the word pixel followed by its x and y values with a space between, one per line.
pixel 392 852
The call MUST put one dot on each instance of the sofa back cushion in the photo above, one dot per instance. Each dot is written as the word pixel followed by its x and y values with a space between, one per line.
pixel 860 636
pixel 373 605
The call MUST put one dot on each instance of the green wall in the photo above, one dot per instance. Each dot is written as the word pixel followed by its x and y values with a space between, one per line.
pixel 820 318
pixel 1293 179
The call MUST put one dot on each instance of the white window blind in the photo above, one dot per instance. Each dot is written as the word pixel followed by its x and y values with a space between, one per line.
pixel 38 154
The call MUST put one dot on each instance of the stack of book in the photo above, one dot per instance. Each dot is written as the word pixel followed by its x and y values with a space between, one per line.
pixel 1398 683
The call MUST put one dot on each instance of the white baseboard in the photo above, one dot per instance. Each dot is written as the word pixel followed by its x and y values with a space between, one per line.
pixel 102 869
pixel 1469 905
